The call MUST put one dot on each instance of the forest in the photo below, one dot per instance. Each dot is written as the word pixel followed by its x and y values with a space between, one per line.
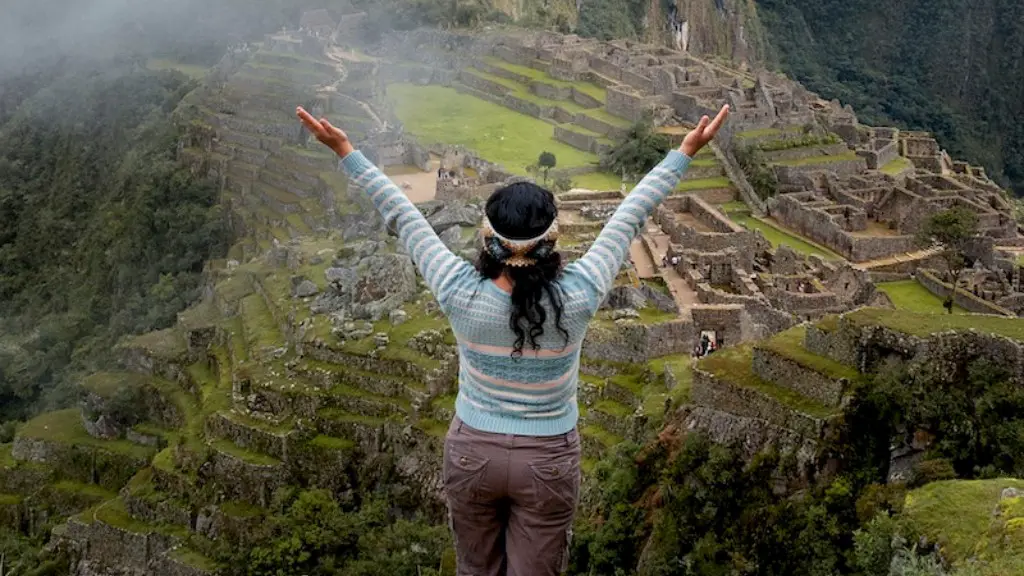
pixel 951 67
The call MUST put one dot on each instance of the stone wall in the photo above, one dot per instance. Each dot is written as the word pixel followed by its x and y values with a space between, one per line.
pixel 711 217
pixel 601 127
pixel 719 394
pixel 773 367
pixel 577 140
pixel 626 103
pixel 636 342
pixel 962 298
pixel 792 175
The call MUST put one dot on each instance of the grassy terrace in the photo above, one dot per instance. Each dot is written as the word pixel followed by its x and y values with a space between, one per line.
pixel 923 325
pixel 587 88
pixel 65 427
pixel 105 384
pixel 703 184
pixel 769 132
pixel 190 70
pixel 815 160
pixel 896 166
pixel 230 448
pixel 911 296
pixel 958 514
pixel 777 236
pixel 608 118
pixel 790 344
pixel 6 459
pixel 523 91
pixel 332 443
pixel 501 135
pixel 735 365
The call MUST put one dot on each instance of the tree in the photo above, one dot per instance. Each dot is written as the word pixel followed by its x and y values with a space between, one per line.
pixel 546 161
pixel 641 150
pixel 953 229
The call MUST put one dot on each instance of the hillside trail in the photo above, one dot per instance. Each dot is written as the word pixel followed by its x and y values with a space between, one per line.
pixel 657 243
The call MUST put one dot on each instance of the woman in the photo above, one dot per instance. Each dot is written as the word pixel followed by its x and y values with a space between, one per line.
pixel 512 454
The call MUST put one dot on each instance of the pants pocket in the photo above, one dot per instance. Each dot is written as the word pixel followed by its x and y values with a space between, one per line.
pixel 462 472
pixel 556 481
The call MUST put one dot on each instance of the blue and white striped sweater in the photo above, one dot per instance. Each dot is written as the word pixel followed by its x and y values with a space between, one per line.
pixel 534 395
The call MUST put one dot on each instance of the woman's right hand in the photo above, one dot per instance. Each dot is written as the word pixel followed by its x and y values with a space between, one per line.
pixel 703 133
pixel 330 136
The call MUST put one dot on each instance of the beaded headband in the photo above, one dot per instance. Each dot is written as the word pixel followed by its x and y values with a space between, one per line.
pixel 519 253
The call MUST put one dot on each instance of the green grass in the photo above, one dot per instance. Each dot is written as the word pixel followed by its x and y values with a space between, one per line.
pixel 958 514
pixel 829 323
pixel 910 295
pixel 260 329
pixel 6 459
pixel 608 118
pixel 704 184
pixel 65 427
pixel 190 70
pixel 114 513
pixel 167 343
pixel 778 237
pixel 613 408
pixel 603 436
pixel 896 166
pixel 587 88
pixel 734 365
pixel 815 160
pixel 230 448
pixel 445 402
pixel 91 490
pixel 332 443
pixel 523 92
pixel 338 415
pixel 924 325
pixel 600 181
pixel 790 344
pixel 501 135
pixel 240 509
pixel 192 558
pixel 433 427
pixel 652 315
pixel 106 384
pixel 10 499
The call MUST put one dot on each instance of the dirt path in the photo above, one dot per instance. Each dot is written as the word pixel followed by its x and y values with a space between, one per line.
pixel 422 186
pixel 684 296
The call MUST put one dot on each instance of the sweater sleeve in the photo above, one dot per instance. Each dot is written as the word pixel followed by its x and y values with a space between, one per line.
pixel 598 268
pixel 441 268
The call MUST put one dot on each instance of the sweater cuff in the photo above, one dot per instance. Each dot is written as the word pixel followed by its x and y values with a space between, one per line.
pixel 677 162
pixel 355 164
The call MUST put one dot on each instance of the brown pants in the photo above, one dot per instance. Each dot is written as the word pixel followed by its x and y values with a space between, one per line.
pixel 511 500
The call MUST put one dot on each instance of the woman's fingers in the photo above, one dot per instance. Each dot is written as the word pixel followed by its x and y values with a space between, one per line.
pixel 719 120
pixel 307 119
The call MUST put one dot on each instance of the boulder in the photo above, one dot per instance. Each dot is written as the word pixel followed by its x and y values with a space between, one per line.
pixel 306 288
pixel 452 237
pixel 398 317
pixel 454 214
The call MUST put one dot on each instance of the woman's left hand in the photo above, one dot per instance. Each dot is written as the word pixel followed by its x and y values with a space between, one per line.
pixel 330 136
pixel 703 133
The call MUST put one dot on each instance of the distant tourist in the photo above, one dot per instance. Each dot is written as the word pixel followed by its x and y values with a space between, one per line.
pixel 511 468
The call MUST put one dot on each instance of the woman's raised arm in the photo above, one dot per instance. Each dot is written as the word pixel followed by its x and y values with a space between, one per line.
pixel 601 264
pixel 436 263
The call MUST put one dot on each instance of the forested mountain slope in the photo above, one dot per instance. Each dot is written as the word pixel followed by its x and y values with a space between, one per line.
pixel 953 67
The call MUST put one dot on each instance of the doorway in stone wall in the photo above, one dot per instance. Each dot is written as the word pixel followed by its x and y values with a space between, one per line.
pixel 709 342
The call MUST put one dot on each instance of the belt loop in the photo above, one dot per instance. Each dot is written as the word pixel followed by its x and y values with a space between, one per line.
pixel 458 429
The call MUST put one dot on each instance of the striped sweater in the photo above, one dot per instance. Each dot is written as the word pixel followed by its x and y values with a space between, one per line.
pixel 534 395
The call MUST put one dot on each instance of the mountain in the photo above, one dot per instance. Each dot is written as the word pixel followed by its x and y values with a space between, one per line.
pixel 952 67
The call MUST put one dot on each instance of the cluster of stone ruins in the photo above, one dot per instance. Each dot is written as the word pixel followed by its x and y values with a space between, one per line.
pixel 316 351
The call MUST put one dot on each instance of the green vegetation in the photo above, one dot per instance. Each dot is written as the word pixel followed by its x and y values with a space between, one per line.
pixel 587 88
pixel 190 70
pixel 600 181
pixel 230 448
pixel 501 135
pixel 896 166
pixel 953 229
pixel 778 237
pixel 65 427
pixel 603 436
pixel 924 325
pixel 192 558
pixel 790 344
pixel 891 64
pixel 734 365
pixel 331 443
pixel 911 296
pixel 608 118
pixel 123 258
pixel 703 184
pixel 639 152
pixel 613 408
pixel 90 490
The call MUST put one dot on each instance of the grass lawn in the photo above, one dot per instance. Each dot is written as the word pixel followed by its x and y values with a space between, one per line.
pixel 523 91
pixel 778 236
pixel 851 155
pixel 924 325
pixel 910 295
pixel 600 181
pixel 608 118
pixel 896 166
pixel 958 514
pixel 496 133
pixel 735 365
pixel 191 70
